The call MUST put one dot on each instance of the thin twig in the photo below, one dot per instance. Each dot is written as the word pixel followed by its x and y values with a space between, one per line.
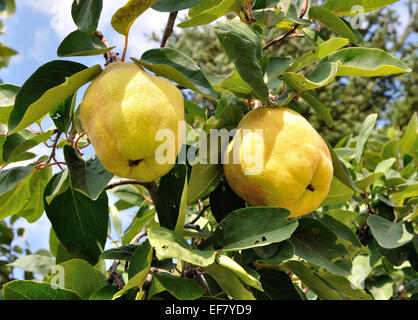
pixel 169 28
pixel 200 214
pixel 291 31
pixel 110 56
pixel 54 147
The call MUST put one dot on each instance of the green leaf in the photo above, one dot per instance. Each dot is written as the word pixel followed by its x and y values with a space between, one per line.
pixel 31 290
pixel 36 263
pixel 367 62
pixel 254 227
pixel 235 84
pixel 181 288
pixel 10 178
pixel 79 222
pixel 320 77
pixel 406 191
pixel 407 144
pixel 340 171
pixel 332 22
pixel 62 114
pixel 138 269
pixel 79 277
pixel 229 282
pixel 193 113
pixel 243 47
pixel 318 53
pixel 341 230
pixel 388 234
pixel 168 244
pixel 338 192
pixel 88 177
pixel 343 286
pixel 171 192
pixel 8 94
pixel 126 16
pixel 104 293
pixel 78 43
pixel 204 178
pixel 176 66
pixel 239 271
pixel 210 11
pixel 59 184
pixel 16 144
pixel 385 165
pixel 364 183
pixel 86 14
pixel 46 88
pixel 277 285
pixel 120 253
pixel 345 8
pixel 317 105
pixel 170 6
pixel 343 216
pixel 381 287
pixel 366 130
pixel 317 244
pixel 277 65
pixel 223 200
pixel 309 279
pixel 25 194
pixel 137 224
pixel 33 207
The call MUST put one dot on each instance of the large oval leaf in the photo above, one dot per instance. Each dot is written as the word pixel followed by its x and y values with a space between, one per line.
pixel 168 244
pixel 346 7
pixel 8 94
pixel 176 66
pixel 86 14
pixel 170 5
pixel 332 22
pixel 254 227
pixel 32 290
pixel 46 88
pixel 126 16
pixel 78 43
pixel 210 11
pixel 79 222
pixel 367 62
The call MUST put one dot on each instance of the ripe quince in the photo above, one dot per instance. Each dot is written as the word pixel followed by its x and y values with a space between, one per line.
pixel 121 112
pixel 295 167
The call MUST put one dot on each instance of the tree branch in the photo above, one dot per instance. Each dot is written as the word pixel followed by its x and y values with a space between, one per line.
pixel 291 31
pixel 169 28
pixel 110 56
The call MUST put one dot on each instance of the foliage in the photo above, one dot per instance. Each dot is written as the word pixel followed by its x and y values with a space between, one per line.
pixel 192 237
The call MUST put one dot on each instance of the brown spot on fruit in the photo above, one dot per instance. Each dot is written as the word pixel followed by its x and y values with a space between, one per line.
pixel 310 187
pixel 134 163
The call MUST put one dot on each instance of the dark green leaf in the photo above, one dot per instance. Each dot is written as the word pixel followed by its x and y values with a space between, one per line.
pixel 176 66
pixel 317 244
pixel 341 230
pixel 79 222
pixel 243 47
pixel 182 289
pixel 253 227
pixel 277 285
pixel 364 135
pixel 31 290
pixel 332 22
pixel 169 196
pixel 78 43
pixel 88 177
pixel 317 105
pixel 388 234
pixel 120 253
pixel 170 5
pixel 223 200
pixel 46 88
pixel 62 113
pixel 86 14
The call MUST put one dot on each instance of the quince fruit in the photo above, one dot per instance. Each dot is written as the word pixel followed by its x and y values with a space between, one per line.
pixel 121 113
pixel 294 170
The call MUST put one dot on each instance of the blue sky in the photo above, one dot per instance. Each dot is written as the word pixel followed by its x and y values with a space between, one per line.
pixel 37 29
